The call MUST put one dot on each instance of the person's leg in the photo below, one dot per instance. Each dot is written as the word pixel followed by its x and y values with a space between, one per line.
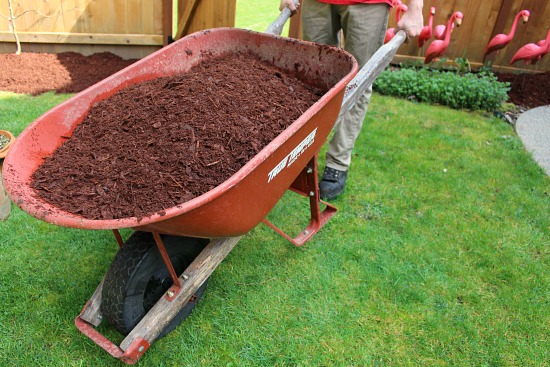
pixel 364 27
pixel 320 22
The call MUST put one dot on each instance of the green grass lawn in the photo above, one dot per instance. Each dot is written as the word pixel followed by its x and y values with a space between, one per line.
pixel 256 15
pixel 438 256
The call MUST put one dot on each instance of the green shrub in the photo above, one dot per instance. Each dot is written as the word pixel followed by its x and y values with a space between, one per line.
pixel 474 91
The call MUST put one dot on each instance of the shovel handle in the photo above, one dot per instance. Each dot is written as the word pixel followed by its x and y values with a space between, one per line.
pixel 276 27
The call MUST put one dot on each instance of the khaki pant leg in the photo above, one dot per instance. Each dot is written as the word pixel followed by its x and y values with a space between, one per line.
pixel 364 27
pixel 320 22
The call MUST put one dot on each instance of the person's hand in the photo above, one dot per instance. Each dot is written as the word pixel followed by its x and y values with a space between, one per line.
pixel 412 21
pixel 289 4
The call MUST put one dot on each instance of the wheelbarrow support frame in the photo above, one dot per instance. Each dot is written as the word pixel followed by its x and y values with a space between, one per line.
pixel 307 184
pixel 148 329
pixel 144 334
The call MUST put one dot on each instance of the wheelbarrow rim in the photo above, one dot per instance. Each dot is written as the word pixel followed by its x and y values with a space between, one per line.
pixel 50 213
pixel 26 198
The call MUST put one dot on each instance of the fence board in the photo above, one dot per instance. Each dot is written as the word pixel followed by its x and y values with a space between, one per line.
pixel 132 13
pixel 186 12
pixel 144 18
pixel 85 16
pixel 482 21
pixel 85 38
pixel 207 14
pixel 91 25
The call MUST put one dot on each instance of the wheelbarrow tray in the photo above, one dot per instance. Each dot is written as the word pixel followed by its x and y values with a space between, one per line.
pixel 241 202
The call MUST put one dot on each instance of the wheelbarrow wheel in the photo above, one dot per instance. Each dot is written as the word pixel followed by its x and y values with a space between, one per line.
pixel 138 278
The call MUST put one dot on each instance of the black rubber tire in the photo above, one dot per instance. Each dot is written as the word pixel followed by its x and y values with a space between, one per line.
pixel 138 278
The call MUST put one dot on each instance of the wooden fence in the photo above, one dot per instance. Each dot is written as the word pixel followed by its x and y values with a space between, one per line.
pixel 135 28
pixel 130 29
pixel 482 20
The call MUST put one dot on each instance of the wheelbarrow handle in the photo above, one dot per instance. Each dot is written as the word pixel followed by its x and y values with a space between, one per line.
pixel 276 27
pixel 370 71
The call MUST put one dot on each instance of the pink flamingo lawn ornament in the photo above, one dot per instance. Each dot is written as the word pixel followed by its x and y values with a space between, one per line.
pixel 400 9
pixel 439 31
pixel 438 47
pixel 501 40
pixel 426 32
pixel 533 52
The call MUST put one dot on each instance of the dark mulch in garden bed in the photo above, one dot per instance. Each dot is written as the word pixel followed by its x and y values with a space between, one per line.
pixel 528 90
pixel 69 72
pixel 161 143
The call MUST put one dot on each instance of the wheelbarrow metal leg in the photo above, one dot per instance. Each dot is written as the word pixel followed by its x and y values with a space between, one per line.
pixel 176 287
pixel 92 311
pixel 88 330
pixel 130 356
pixel 91 317
pixel 118 237
pixel 307 184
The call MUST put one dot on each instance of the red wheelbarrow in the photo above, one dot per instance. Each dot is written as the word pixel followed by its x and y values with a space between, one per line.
pixel 162 269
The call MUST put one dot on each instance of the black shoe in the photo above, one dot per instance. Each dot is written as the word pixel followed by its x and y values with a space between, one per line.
pixel 332 184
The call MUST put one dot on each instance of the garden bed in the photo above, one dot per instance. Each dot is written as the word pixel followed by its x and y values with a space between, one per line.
pixel 528 90
pixel 69 72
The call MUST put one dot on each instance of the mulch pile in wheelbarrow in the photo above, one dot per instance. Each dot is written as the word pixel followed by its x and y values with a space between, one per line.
pixel 163 142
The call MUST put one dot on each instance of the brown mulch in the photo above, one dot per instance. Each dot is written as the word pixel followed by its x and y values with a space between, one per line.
pixel 69 72
pixel 528 90
pixel 160 143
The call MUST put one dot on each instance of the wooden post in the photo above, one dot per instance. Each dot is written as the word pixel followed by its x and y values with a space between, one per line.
pixel 186 9
pixel 167 12
pixel 295 26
